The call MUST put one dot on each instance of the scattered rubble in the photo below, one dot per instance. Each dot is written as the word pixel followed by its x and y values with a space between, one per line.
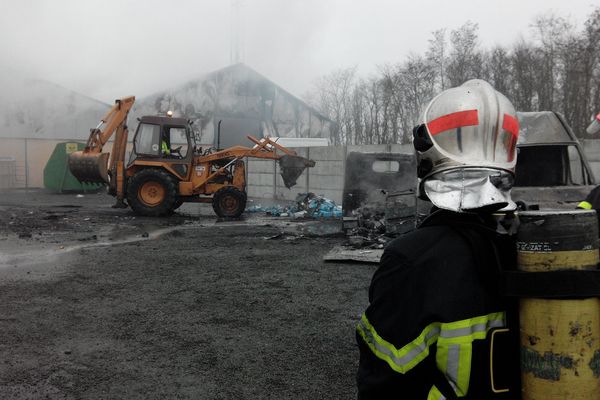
pixel 307 205
pixel 375 223
pixel 343 253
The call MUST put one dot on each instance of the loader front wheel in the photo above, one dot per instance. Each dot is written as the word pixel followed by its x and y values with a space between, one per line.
pixel 178 203
pixel 152 192
pixel 229 202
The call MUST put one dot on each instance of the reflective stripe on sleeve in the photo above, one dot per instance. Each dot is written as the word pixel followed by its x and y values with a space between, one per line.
pixel 435 394
pixel 400 360
pixel 471 329
pixel 454 348
pixel 585 205
pixel 455 363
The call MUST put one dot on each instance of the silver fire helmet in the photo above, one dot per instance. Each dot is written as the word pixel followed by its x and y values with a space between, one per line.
pixel 466 148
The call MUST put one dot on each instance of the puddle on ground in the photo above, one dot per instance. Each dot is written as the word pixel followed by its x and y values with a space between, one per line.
pixel 105 237
pixel 113 235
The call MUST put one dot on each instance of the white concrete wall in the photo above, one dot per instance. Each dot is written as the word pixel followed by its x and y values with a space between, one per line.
pixel 264 180
pixel 325 178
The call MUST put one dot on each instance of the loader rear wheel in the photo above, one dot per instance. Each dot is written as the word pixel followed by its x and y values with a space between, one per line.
pixel 152 192
pixel 229 202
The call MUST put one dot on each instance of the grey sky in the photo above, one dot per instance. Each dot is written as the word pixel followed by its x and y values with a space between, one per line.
pixel 112 48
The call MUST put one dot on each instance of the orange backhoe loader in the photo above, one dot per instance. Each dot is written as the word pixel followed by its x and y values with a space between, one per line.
pixel 166 167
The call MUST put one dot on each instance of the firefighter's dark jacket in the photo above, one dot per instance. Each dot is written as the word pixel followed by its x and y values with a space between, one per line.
pixel 433 301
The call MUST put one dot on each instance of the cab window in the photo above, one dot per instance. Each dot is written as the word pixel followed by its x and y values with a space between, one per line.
pixel 147 140
pixel 177 141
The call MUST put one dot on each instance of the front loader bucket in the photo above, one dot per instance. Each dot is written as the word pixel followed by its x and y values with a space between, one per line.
pixel 89 167
pixel 292 167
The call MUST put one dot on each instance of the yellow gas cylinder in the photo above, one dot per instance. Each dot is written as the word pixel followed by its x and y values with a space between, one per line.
pixel 560 338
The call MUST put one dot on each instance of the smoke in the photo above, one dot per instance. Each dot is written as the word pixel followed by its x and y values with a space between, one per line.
pixel 108 49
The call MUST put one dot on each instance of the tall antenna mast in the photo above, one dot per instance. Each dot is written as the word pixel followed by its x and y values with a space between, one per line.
pixel 236 52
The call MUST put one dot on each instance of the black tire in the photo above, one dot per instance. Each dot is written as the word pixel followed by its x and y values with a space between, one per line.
pixel 229 202
pixel 152 192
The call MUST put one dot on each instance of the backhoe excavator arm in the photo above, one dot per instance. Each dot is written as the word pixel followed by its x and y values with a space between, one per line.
pixel 290 163
pixel 261 150
pixel 114 118
pixel 92 165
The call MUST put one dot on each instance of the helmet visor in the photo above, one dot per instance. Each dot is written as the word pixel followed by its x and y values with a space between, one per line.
pixel 467 189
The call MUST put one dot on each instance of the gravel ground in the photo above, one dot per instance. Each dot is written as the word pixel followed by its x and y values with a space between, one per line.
pixel 96 303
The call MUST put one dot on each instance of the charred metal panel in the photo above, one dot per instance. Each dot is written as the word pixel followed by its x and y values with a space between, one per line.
pixel 364 184
pixel 379 189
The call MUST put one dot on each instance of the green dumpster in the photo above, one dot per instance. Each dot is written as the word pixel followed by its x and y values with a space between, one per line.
pixel 57 175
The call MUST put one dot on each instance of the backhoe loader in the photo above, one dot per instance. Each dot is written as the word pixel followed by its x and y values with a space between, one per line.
pixel 166 167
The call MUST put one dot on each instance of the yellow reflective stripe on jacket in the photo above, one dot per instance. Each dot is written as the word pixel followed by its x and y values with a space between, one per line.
pixel 454 348
pixel 467 330
pixel 400 360
pixel 165 148
pixel 455 362
pixel 435 394
pixel 585 205
pixel 446 334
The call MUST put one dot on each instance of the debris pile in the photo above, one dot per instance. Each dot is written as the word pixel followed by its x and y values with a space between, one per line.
pixel 306 205
pixel 366 227
pixel 373 224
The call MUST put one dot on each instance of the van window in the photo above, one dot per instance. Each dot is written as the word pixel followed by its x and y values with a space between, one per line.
pixel 386 166
pixel 545 165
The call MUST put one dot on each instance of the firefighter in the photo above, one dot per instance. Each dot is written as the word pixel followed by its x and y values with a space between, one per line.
pixel 592 201
pixel 166 151
pixel 164 146
pixel 434 298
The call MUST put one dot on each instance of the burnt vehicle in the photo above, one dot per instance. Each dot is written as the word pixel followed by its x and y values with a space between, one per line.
pixel 379 193
pixel 552 170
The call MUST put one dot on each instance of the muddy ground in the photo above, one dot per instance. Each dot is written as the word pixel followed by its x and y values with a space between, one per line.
pixel 96 303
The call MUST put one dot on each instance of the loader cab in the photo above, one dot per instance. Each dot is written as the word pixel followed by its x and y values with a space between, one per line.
pixel 163 139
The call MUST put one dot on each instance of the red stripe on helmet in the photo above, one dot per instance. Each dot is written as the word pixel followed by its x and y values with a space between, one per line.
pixel 511 124
pixel 453 121
pixel 598 117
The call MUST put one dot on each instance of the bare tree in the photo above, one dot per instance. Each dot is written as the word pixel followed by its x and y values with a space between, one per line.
pixel 334 101
pixel 497 65
pixel 559 70
pixel 523 67
pixel 437 55
pixel 418 84
pixel 373 115
pixel 592 52
pixel 579 56
pixel 551 32
pixel 465 59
